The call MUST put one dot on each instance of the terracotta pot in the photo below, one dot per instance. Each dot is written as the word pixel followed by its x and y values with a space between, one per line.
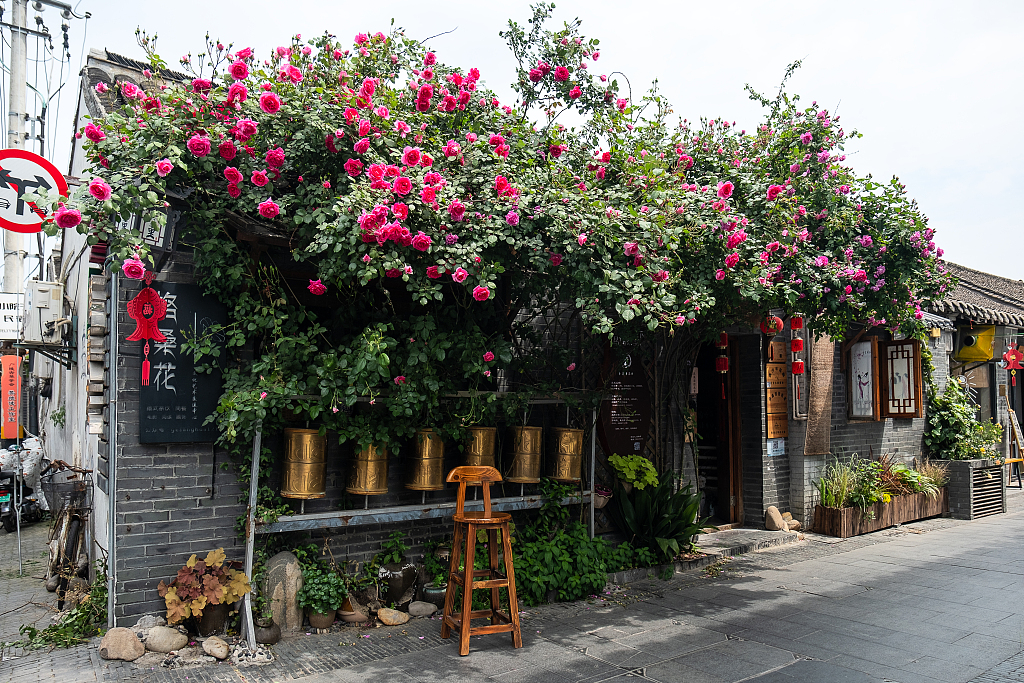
pixel 349 615
pixel 321 620
pixel 268 634
pixel 212 620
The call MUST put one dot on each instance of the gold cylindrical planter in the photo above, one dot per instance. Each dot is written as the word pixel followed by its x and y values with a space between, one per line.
pixel 369 475
pixel 480 449
pixel 305 464
pixel 525 455
pixel 427 471
pixel 567 455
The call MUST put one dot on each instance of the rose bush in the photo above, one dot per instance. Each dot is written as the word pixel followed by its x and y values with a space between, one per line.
pixel 431 221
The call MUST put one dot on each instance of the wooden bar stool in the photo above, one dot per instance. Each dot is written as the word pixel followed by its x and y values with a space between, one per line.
pixel 464 544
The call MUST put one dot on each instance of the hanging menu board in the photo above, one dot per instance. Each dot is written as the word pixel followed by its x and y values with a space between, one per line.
pixel 777 395
pixel 177 401
pixel 626 413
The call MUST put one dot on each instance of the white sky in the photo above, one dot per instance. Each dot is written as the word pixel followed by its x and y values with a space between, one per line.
pixel 934 86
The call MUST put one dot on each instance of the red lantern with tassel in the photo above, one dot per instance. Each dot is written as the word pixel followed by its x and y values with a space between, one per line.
pixel 723 340
pixel 796 345
pixel 796 323
pixel 771 325
pixel 722 364
pixel 798 367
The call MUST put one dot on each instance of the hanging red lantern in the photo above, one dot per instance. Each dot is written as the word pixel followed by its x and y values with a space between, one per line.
pixel 722 364
pixel 796 323
pixel 796 345
pixel 771 325
pixel 798 367
pixel 723 340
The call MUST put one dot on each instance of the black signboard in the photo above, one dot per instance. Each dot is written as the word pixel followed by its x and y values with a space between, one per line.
pixel 626 413
pixel 177 401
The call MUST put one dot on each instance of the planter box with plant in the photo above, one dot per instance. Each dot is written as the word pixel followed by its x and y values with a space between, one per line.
pixel 202 592
pixel 323 592
pixel 861 496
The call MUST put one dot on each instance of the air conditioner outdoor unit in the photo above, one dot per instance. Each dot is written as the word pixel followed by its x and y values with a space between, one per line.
pixel 44 306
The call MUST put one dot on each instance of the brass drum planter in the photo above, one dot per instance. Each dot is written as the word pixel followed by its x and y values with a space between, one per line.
pixel 369 476
pixel 567 456
pixel 305 464
pixel 480 449
pixel 525 455
pixel 428 463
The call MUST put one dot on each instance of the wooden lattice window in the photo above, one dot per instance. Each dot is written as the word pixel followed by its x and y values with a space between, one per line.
pixel 902 390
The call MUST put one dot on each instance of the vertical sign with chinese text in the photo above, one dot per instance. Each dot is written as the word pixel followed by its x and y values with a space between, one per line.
pixel 11 365
pixel 174 406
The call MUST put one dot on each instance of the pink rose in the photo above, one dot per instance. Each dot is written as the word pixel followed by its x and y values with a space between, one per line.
pixel 575 93
pixel 234 191
pixel 731 260
pixel 270 103
pixel 806 138
pixel 101 87
pixel 774 191
pixel 354 167
pixel 556 259
pixel 429 59
pixel 512 218
pixel 239 71
pixel 561 73
pixel 263 395
pixel 259 178
pixel 421 242
pixel 275 158
pixel 402 186
pixel 460 275
pixel 134 268
pixel 94 133
pixel 99 189
pixel 411 156
pixel 725 189
pixel 571 367
pixel 233 175
pixel 428 195
pixel 237 91
pixel 199 145
pixel 457 210
pixel 488 357
pixel 316 287
pixel 269 209
pixel 432 272
pixel 400 380
pixel 163 167
pixel 631 249
pixel 821 261
pixel 67 218
pixel 582 239
pixel 401 211
pixel 660 276
pixel 481 293
pixel 227 150
pixel 720 274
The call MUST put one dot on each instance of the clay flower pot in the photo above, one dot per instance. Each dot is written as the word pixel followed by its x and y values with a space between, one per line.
pixel 267 632
pixel 321 620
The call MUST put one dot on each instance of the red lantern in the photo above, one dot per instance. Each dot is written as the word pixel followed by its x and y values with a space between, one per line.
pixel 722 364
pixel 771 325
pixel 798 367
pixel 796 323
pixel 723 340
pixel 796 345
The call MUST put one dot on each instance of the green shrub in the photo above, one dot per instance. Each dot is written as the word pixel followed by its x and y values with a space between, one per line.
pixel 953 431
pixel 659 519
pixel 634 469
pixel 322 590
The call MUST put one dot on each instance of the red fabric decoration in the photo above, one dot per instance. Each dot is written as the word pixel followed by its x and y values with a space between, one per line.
pixel 796 345
pixel 723 340
pixel 722 364
pixel 798 367
pixel 147 309
pixel 796 323
pixel 771 325
pixel 1013 357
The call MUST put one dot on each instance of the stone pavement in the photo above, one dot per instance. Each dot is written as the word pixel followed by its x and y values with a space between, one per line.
pixel 933 601
pixel 23 599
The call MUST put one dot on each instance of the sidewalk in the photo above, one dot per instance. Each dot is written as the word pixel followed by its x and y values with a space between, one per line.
pixel 929 601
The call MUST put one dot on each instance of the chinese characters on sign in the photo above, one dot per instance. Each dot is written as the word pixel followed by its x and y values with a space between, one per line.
pixel 178 399
pixel 9 428
pixel 626 414
pixel 12 308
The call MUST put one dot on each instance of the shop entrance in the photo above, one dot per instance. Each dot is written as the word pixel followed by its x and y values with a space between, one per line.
pixel 718 447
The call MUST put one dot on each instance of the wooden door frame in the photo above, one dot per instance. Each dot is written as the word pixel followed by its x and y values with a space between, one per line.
pixel 732 418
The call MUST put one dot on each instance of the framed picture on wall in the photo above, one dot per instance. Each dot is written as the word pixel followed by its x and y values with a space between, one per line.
pixel 863 380
pixel 902 388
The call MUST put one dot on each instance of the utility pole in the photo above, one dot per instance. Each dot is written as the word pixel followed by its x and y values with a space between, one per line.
pixel 14 242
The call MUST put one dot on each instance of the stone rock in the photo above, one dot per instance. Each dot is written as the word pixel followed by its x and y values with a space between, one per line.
pixel 243 656
pixel 121 643
pixel 787 516
pixel 165 639
pixel 282 585
pixel 215 647
pixel 53 582
pixel 392 617
pixel 149 621
pixel 793 525
pixel 421 609
pixel 773 520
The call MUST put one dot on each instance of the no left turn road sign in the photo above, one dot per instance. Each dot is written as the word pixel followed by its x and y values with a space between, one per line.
pixel 21 172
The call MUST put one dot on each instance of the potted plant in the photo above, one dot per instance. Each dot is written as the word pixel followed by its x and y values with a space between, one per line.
pixel 202 591
pixel 602 494
pixel 267 631
pixel 435 567
pixel 323 592
pixel 397 574
pixel 633 470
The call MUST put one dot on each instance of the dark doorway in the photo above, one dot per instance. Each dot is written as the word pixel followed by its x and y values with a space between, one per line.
pixel 718 445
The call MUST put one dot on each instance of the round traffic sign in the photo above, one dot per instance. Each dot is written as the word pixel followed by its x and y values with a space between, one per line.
pixel 21 172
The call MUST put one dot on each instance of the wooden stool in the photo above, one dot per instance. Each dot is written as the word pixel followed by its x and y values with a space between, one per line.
pixel 466 526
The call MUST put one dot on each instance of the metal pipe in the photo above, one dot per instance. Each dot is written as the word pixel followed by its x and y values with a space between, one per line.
pixel 14 242
pixel 250 532
pixel 593 459
pixel 112 457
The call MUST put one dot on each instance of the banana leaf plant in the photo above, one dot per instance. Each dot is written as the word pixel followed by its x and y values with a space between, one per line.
pixel 658 518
